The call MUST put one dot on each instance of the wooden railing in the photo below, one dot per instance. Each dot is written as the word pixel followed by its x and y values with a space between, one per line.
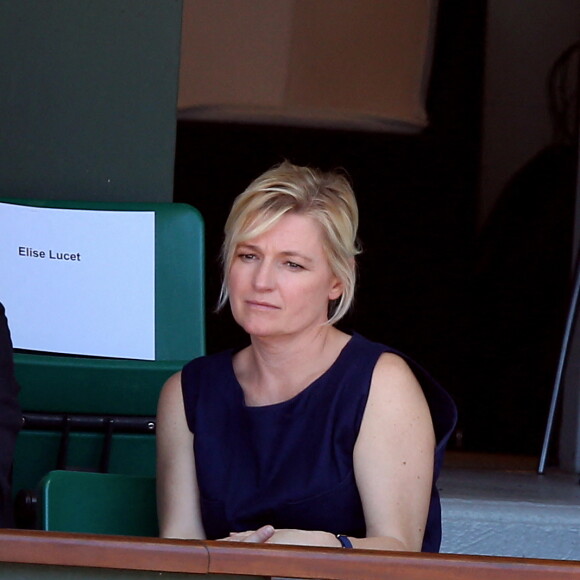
pixel 45 549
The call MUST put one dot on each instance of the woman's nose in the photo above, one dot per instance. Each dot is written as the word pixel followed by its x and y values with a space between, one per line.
pixel 264 278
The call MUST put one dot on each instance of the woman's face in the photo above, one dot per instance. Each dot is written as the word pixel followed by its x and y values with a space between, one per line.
pixel 280 282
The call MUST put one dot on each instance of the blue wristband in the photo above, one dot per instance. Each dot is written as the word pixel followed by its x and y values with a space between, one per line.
pixel 344 541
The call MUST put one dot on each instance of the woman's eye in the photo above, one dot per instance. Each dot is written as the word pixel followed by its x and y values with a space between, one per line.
pixel 247 257
pixel 294 266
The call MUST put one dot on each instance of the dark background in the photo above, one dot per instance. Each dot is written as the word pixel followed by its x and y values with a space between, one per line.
pixel 483 311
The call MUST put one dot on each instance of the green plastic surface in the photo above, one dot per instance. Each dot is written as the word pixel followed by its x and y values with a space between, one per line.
pixel 101 386
pixel 98 503
pixel 179 272
pixel 37 451
pixel 55 384
pixel 66 384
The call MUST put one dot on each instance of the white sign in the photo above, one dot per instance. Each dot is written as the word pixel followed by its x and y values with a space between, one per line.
pixel 79 281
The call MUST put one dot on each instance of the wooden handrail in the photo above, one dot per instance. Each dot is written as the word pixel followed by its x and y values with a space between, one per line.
pixel 101 551
pixel 206 557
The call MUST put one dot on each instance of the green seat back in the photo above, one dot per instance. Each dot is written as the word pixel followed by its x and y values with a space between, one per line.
pixel 108 387
pixel 98 503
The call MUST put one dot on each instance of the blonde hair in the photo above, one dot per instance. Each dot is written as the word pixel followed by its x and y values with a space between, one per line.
pixel 286 188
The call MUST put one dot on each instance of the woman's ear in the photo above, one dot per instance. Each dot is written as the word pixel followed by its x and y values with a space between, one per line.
pixel 336 289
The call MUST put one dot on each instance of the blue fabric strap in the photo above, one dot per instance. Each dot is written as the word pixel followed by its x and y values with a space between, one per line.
pixel 344 541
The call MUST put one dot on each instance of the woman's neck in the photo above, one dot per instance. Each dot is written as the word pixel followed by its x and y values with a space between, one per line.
pixel 275 370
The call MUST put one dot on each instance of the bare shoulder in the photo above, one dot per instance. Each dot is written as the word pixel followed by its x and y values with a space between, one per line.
pixel 389 362
pixel 172 386
pixel 397 395
pixel 172 429
pixel 170 398
pixel 393 378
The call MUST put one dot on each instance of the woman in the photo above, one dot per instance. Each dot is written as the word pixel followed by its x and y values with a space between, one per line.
pixel 308 435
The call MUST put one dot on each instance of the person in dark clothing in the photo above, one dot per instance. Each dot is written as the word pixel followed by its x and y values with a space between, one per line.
pixel 10 420
pixel 308 435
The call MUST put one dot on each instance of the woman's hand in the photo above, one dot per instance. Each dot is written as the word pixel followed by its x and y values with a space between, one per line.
pixel 304 538
pixel 269 535
pixel 258 536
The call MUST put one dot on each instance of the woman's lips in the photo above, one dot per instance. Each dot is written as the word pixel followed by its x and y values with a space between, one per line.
pixel 261 305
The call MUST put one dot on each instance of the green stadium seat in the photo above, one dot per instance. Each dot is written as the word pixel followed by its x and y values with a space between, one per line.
pixel 98 503
pixel 98 414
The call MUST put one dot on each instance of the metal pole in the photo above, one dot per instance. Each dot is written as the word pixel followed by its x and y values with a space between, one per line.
pixel 561 366
pixel 576 290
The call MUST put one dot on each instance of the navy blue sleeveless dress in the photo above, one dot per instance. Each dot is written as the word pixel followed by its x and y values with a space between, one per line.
pixel 291 464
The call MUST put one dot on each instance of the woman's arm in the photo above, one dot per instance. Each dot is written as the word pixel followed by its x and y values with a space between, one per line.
pixel 393 463
pixel 393 459
pixel 177 491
